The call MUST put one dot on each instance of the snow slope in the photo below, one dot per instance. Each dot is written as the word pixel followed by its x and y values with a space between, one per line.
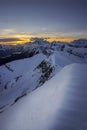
pixel 19 67
pixel 20 77
pixel 60 104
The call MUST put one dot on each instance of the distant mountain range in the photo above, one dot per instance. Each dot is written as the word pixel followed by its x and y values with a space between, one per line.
pixel 9 53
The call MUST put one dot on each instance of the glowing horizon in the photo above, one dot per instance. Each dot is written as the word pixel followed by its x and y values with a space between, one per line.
pixel 22 40
pixel 12 37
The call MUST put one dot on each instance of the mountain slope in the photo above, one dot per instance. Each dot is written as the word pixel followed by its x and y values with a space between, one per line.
pixel 18 78
pixel 60 104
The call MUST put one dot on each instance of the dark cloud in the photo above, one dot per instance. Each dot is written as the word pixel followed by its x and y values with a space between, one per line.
pixel 10 39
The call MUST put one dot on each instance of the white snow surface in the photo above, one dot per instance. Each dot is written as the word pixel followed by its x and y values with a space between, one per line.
pixel 24 78
pixel 60 104
pixel 20 77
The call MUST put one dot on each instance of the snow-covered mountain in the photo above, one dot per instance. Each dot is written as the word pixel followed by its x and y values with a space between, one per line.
pixel 20 77
pixel 60 104
pixel 78 48
pixel 80 43
pixel 43 60
pixel 23 71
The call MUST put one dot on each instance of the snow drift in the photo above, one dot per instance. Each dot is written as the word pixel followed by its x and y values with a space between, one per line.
pixel 60 104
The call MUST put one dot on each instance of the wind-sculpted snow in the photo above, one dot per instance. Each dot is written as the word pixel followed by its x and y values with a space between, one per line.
pixel 60 104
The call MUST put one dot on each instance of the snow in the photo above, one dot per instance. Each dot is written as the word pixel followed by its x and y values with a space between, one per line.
pixel 23 77
pixel 20 67
pixel 61 59
pixel 20 77
pixel 60 104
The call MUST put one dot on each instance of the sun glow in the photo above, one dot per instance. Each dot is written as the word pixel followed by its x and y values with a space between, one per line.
pixel 24 38
pixel 51 39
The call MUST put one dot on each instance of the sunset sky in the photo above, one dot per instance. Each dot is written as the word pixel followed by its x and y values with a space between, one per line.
pixel 63 20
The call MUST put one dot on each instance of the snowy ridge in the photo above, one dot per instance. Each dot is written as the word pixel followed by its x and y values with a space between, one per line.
pixel 19 78
pixel 80 43
pixel 60 104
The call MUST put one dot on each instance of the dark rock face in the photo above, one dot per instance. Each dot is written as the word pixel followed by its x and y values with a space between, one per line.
pixel 46 70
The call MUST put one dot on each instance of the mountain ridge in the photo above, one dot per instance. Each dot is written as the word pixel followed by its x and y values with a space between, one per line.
pixel 61 103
